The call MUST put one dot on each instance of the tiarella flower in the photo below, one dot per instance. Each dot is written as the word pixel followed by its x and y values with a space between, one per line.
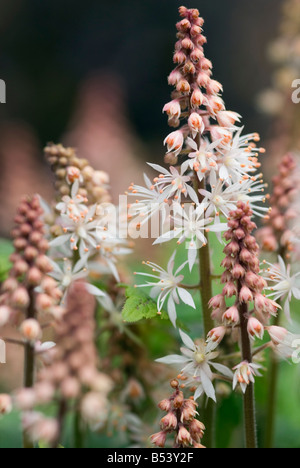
pixel 167 287
pixel 190 225
pixel 66 274
pixel 221 199
pixel 252 191
pixel 173 110
pixel 228 118
pixel 196 124
pixel 148 201
pixel 203 159
pixel 174 142
pixel 239 158
pixel 255 328
pixel 197 359
pixel 285 343
pixel 174 183
pixel 82 232
pixel 244 375
pixel 75 205
pixel 285 286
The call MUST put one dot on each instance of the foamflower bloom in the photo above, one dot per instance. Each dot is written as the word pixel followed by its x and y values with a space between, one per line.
pixel 166 287
pixel 196 360
pixel 285 285
pixel 244 374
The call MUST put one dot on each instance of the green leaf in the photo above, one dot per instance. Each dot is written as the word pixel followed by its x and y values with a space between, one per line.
pixel 6 250
pixel 139 306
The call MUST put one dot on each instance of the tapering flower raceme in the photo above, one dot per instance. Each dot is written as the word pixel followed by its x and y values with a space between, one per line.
pixel 73 373
pixel 180 421
pixel 191 225
pixel 195 364
pixel 69 168
pixel 242 280
pixel 245 374
pixel 23 293
pixel 284 286
pixel 167 288
pixel 280 233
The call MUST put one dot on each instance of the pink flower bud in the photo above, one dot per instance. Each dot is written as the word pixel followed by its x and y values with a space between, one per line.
pixel 217 334
pixel 46 430
pixel 20 267
pixel 20 298
pixel 4 315
pixel 44 302
pixel 228 118
pixel 203 79
pixel 174 77
pixel 173 109
pixel 159 439
pixel 230 290
pixel 184 437
pixel 231 316
pixel 255 328
pixel 25 399
pixel 246 295
pixel 169 421
pixel 70 388
pixel 31 330
pixel 10 285
pixel 44 264
pixel 34 276
pixel 217 302
pixel 277 334
pixel 174 142
pixel 196 124
pixel 73 173
pixel 183 86
pixel 238 271
pixel 197 98
pixel 30 253
pixel 165 405
pixel 232 248
pixel 5 404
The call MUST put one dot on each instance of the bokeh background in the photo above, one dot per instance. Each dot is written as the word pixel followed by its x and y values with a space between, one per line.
pixel 93 75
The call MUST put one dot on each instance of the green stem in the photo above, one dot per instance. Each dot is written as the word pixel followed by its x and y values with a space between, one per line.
pixel 78 433
pixel 249 397
pixel 29 365
pixel 272 397
pixel 206 294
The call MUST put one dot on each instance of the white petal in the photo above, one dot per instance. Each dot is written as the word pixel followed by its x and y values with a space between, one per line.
pixel 187 340
pixel 208 387
pixel 173 359
pixel 222 369
pixel 186 297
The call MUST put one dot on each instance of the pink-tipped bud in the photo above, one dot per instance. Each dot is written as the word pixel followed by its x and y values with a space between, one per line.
pixel 231 316
pixel 203 79
pixel 4 315
pixel 44 302
pixel 43 263
pixel 169 421
pixel 159 439
pixel 73 173
pixel 46 430
pixel 277 334
pixel 197 98
pixel 238 271
pixel 217 302
pixel 34 276
pixel 10 285
pixel 20 298
pixel 25 399
pixel 184 437
pixel 20 267
pixel 183 86
pixel 31 330
pixel 246 256
pixel 228 118
pixel 5 404
pixel 255 328
pixel 246 295
pixel 174 78
pixel 165 405
pixel 196 55
pixel 174 142
pixel 232 248
pixel 70 388
pixel 173 109
pixel 217 334
pixel 230 290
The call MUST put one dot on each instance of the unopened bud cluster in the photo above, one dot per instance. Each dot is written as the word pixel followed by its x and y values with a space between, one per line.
pixel 242 279
pixel 72 374
pixel 278 235
pixel 68 167
pixel 197 95
pixel 179 420
pixel 29 290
